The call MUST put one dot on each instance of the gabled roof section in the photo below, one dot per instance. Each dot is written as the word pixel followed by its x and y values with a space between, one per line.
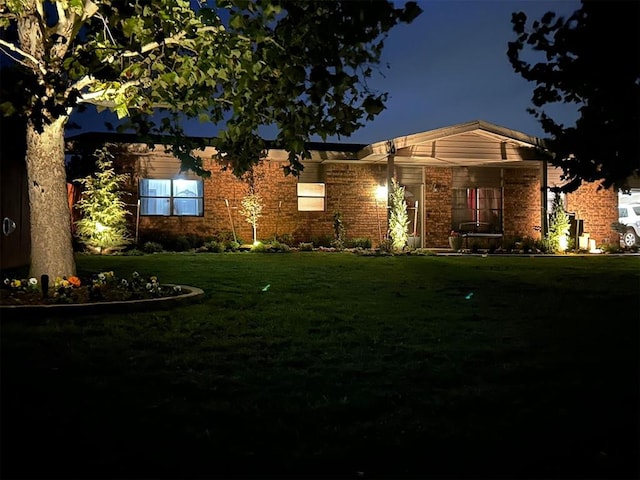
pixel 466 144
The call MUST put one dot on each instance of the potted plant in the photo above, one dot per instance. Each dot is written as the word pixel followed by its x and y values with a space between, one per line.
pixel 455 240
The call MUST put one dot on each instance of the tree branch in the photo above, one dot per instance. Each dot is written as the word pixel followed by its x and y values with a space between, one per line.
pixel 24 54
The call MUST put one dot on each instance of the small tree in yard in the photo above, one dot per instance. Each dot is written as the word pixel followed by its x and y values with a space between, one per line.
pixel 103 227
pixel 251 210
pixel 398 217
pixel 559 225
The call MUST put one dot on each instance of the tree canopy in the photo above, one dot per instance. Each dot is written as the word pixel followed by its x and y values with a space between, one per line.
pixel 300 66
pixel 590 59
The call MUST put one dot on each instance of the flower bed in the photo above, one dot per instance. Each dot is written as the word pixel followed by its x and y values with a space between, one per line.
pixel 100 287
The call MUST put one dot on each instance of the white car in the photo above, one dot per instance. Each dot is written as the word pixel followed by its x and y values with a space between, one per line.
pixel 629 214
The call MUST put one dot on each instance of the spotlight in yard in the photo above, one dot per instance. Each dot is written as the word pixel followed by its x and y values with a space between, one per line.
pixel 100 227
pixel 563 243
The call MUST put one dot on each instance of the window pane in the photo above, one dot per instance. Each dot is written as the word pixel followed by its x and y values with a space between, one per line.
pixel 188 206
pixel 155 188
pixel 154 206
pixel 187 188
pixel 311 189
pixel 310 204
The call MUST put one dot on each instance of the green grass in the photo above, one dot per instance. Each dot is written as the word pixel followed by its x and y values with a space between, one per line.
pixel 346 364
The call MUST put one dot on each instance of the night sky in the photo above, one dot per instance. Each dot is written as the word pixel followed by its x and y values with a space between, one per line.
pixel 447 67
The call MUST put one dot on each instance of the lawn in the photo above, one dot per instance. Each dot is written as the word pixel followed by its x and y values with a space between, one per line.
pixel 344 367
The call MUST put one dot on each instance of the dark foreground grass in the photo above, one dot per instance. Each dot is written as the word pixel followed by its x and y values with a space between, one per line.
pixel 346 366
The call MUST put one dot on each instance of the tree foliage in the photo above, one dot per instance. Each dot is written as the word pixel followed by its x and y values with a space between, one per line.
pixel 589 59
pixel 237 64
pixel 251 209
pixel 300 66
pixel 103 226
pixel 398 217
pixel 559 225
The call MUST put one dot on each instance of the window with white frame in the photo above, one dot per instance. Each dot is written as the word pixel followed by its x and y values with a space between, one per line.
pixel 311 197
pixel 178 197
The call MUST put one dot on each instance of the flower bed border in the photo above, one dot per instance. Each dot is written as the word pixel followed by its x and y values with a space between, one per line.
pixel 189 295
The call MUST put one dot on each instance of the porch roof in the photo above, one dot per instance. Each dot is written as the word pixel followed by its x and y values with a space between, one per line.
pixel 476 143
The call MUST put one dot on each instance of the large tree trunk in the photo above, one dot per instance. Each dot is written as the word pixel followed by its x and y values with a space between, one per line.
pixel 51 241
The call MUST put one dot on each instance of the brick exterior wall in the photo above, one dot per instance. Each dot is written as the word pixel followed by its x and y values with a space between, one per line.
pixel 522 207
pixel 598 209
pixel 437 206
pixel 350 188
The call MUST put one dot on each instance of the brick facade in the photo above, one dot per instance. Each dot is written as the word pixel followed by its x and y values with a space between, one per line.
pixel 522 202
pixel 598 209
pixel 350 189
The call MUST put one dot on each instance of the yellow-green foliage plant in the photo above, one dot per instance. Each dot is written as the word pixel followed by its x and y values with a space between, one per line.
pixel 251 210
pixel 398 218
pixel 103 226
pixel 559 224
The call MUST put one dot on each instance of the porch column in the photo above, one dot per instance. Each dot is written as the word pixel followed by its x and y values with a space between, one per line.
pixel 544 200
pixel 391 155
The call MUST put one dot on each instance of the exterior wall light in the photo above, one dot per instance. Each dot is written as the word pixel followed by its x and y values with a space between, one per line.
pixel 381 193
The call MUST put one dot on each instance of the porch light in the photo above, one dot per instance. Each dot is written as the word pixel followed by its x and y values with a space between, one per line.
pixel 381 192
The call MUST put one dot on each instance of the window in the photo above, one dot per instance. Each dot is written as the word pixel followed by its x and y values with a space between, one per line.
pixel 482 206
pixel 171 197
pixel 311 197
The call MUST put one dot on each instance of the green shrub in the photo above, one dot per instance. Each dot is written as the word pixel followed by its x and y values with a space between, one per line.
pixel 305 246
pixel 133 252
pixel 559 225
pixel 386 245
pixel 509 243
pixel 181 243
pixel 231 245
pixel 215 246
pixel 103 227
pixel 359 243
pixel 398 217
pixel 286 238
pixel 321 240
pixel 152 247
pixel 259 247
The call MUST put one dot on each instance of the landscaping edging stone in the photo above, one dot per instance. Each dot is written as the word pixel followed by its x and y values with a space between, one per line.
pixel 189 295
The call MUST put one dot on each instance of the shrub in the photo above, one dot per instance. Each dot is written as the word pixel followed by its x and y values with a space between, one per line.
pixel 339 231
pixel 359 243
pixel 305 246
pixel 103 226
pixel 181 244
pixel 215 246
pixel 386 245
pixel 259 247
pixel 152 247
pixel 286 238
pixel 231 245
pixel 559 225
pixel 398 217
pixel 322 240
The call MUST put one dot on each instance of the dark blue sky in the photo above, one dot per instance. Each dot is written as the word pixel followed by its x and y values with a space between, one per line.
pixel 449 66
